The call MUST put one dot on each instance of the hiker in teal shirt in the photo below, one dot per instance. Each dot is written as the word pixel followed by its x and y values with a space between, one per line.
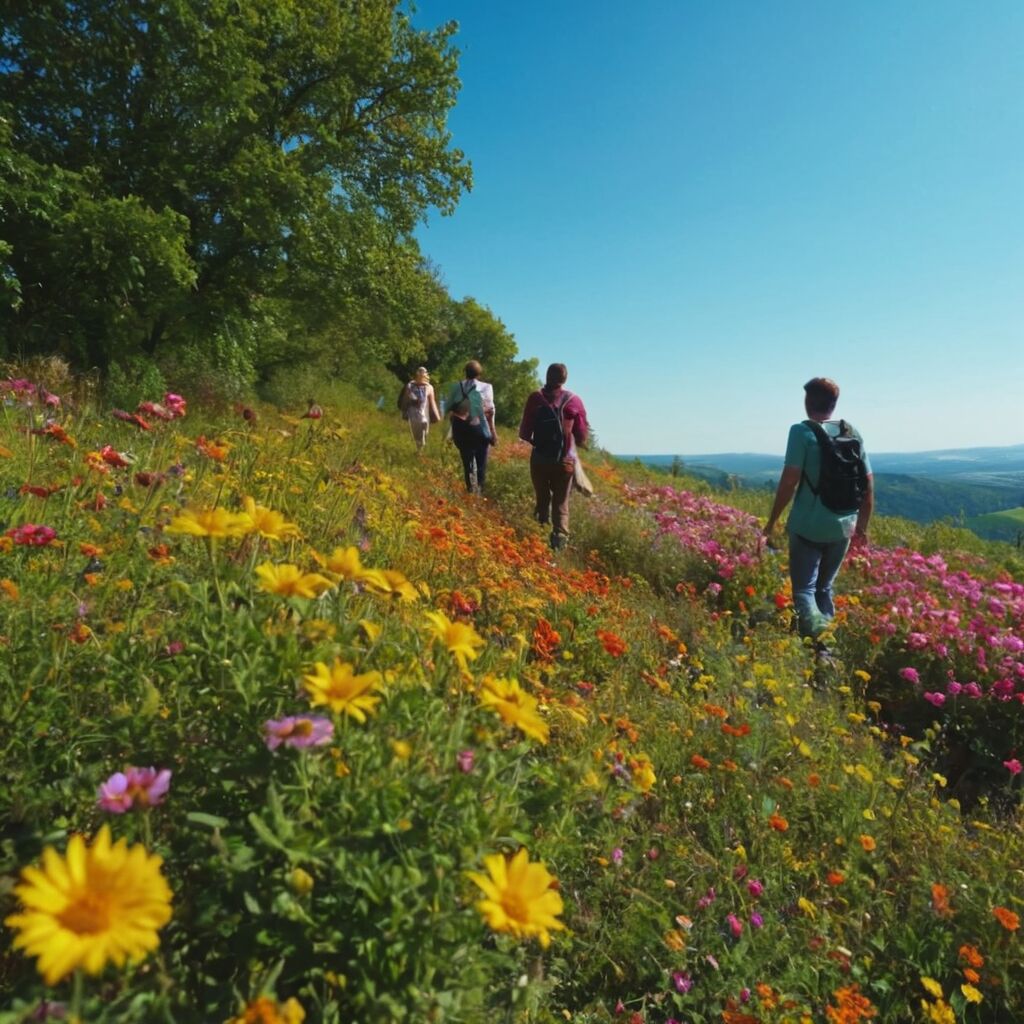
pixel 819 536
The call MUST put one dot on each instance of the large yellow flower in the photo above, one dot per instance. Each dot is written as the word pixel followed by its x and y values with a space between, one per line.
pixel 515 705
pixel 342 690
pixel 211 522
pixel 463 642
pixel 268 523
pixel 520 898
pixel 343 563
pixel 290 581
pixel 389 583
pixel 95 905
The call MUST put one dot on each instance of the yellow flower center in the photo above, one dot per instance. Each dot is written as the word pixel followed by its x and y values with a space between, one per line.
pixel 303 727
pixel 88 914
pixel 515 907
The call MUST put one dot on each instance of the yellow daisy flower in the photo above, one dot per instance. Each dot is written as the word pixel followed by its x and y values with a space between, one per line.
pixel 97 904
pixel 520 899
pixel 211 522
pixel 342 690
pixel 268 523
pixel 344 563
pixel 291 581
pixel 389 583
pixel 515 706
pixel 463 642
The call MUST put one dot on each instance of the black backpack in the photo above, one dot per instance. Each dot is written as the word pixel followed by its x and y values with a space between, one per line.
pixel 843 480
pixel 549 430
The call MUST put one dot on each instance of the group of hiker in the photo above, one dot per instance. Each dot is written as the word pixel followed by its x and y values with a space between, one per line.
pixel 827 473
pixel 554 424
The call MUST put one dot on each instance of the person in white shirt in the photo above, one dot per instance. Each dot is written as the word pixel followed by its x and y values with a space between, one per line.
pixel 419 406
pixel 471 407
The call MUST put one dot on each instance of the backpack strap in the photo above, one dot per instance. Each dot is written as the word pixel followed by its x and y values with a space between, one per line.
pixel 822 436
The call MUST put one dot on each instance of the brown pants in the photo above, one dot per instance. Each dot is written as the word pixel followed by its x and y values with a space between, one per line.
pixel 552 482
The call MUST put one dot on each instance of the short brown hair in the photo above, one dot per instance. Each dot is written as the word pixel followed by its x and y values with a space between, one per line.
pixel 473 369
pixel 557 374
pixel 822 394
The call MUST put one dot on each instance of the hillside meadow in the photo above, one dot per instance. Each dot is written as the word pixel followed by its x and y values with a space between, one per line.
pixel 296 730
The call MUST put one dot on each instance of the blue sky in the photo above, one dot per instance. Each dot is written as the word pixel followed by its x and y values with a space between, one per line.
pixel 699 205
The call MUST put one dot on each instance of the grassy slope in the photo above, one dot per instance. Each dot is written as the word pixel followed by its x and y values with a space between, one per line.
pixel 688 758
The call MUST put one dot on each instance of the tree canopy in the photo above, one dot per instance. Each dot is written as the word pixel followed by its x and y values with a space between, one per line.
pixel 223 173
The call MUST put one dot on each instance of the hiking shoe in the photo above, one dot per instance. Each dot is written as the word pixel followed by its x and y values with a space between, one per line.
pixel 540 518
pixel 558 541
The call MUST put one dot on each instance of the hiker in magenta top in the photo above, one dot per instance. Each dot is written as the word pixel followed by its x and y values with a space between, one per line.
pixel 834 499
pixel 554 422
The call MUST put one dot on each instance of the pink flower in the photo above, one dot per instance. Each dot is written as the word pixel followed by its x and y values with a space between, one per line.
pixel 1013 766
pixel 617 855
pixel 756 920
pixel 464 759
pixel 735 925
pixel 134 787
pixel 707 899
pixel 936 699
pixel 682 982
pixel 755 887
pixel 32 535
pixel 910 675
pixel 298 731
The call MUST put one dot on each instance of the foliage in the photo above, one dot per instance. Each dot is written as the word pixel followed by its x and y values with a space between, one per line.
pixel 172 171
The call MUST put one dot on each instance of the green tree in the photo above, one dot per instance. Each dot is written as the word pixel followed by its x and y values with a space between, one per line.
pixel 180 169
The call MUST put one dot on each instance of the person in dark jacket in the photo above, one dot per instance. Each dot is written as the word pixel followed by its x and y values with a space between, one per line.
pixel 554 422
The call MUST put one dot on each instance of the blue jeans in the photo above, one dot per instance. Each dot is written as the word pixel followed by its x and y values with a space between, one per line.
pixel 813 567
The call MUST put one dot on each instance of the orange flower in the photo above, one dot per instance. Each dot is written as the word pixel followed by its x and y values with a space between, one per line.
pixel 835 878
pixel 612 643
pixel 1007 918
pixel 940 900
pixel 814 780
pixel 777 822
pixel 868 843
pixel 972 956
pixel 700 762
pixel 972 975
pixel 545 640
pixel 853 1007
pixel 715 711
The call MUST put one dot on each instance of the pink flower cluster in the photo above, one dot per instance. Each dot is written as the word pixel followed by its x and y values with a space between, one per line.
pixel 134 787
pixel 957 633
pixel 25 391
pixel 31 535
pixel 172 408
pixel 725 538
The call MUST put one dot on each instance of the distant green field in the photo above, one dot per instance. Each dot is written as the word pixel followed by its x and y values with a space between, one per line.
pixel 1004 525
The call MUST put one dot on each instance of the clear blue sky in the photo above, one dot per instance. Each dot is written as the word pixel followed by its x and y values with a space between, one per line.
pixel 699 205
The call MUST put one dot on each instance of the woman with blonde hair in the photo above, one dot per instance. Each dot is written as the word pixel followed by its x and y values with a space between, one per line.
pixel 419 406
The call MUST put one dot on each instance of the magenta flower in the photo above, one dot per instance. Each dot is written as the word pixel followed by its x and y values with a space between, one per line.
pixel 755 887
pixel 937 699
pixel 134 787
pixel 1013 766
pixel 32 535
pixel 298 731
pixel 617 855
pixel 745 995
pixel 910 675
pixel 465 759
pixel 707 899
pixel 735 925
pixel 682 982
pixel 756 920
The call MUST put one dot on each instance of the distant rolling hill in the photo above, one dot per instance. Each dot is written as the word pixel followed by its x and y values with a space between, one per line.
pixel 923 486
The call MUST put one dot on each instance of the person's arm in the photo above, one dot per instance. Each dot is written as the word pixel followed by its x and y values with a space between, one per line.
pixel 580 426
pixel 860 531
pixel 788 483
pixel 432 399
pixel 526 423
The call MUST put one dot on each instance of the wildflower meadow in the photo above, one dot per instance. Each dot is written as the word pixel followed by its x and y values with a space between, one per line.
pixel 294 729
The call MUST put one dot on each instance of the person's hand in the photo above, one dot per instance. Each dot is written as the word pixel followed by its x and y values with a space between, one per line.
pixel 494 440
